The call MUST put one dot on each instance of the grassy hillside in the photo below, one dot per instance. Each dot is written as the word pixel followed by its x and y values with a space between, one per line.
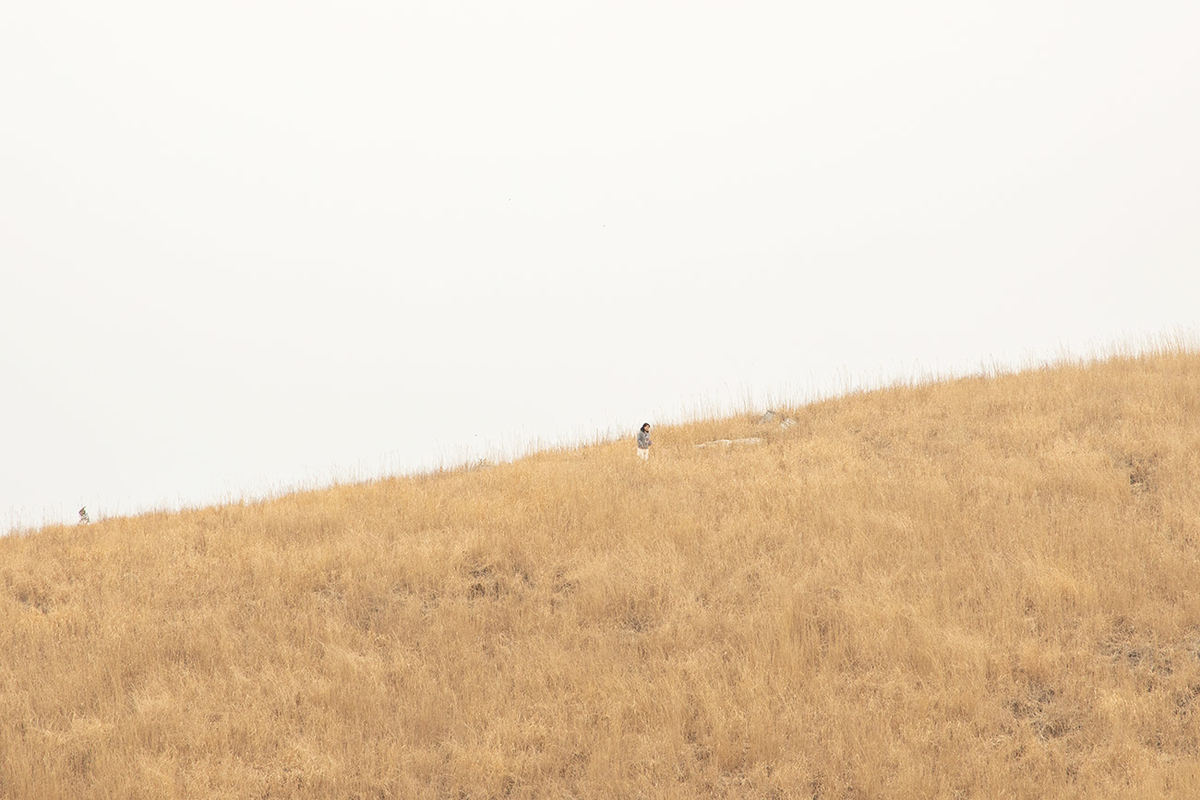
pixel 976 588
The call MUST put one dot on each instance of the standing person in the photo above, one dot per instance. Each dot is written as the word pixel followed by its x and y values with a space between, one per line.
pixel 644 442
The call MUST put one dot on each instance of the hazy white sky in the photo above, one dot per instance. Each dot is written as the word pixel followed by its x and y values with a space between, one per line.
pixel 250 245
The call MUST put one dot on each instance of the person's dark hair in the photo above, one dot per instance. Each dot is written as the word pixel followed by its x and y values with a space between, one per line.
pixel 645 425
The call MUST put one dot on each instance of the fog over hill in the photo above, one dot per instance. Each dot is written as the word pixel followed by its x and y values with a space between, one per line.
pixel 252 247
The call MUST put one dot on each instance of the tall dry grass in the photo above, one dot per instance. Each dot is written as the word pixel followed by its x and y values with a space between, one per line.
pixel 986 587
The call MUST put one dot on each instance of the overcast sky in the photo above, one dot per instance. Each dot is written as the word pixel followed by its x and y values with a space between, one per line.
pixel 246 246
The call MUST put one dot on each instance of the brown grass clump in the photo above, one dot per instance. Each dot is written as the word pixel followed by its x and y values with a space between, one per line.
pixel 986 587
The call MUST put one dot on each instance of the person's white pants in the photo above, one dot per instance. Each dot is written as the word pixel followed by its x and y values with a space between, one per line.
pixel 644 453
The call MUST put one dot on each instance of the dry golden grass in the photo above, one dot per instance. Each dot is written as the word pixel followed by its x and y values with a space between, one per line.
pixel 974 588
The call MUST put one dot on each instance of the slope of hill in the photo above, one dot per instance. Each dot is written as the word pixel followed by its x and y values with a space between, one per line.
pixel 979 587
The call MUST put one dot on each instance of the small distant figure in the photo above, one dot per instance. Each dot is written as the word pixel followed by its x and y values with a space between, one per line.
pixel 84 519
pixel 644 442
